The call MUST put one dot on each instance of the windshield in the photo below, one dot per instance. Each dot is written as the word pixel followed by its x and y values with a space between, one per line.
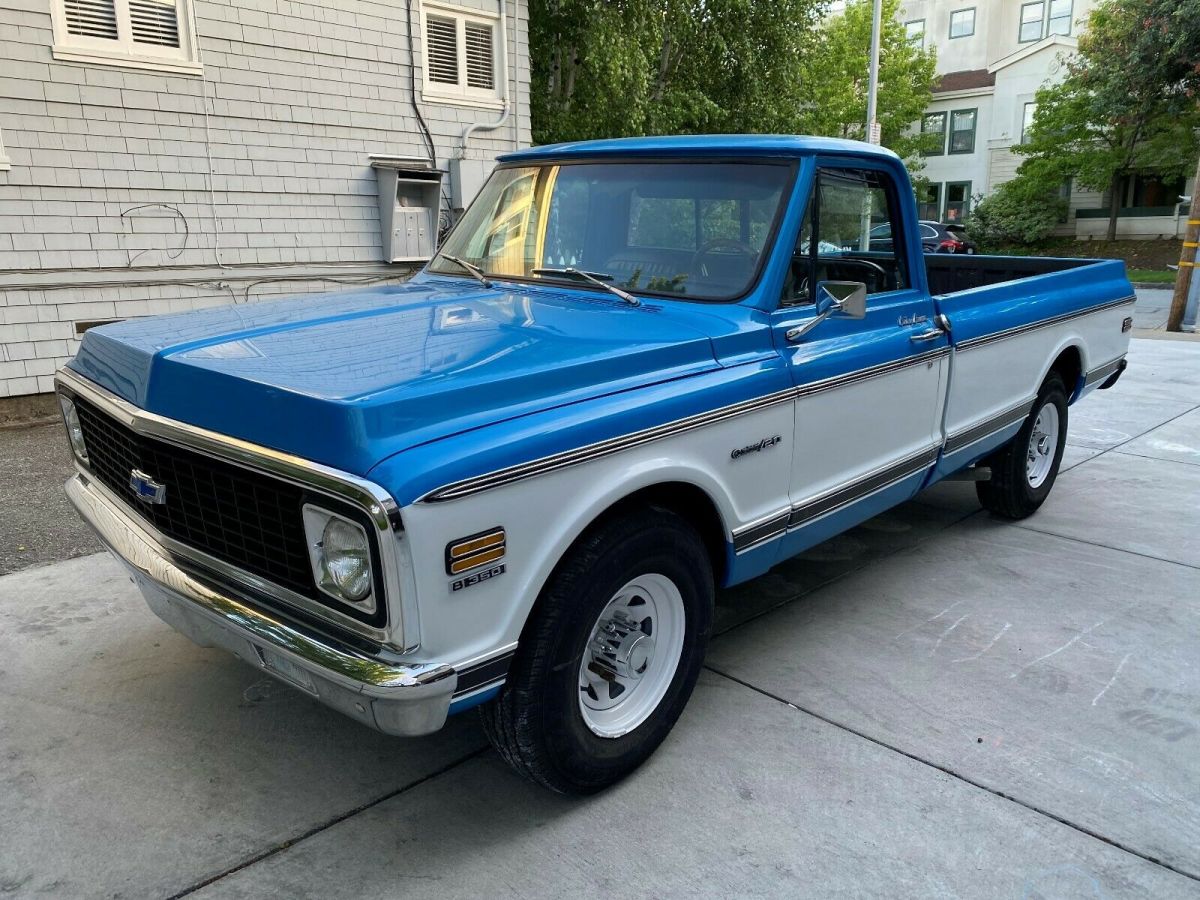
pixel 685 229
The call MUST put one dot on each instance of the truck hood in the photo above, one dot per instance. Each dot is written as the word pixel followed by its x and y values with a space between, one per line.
pixel 347 379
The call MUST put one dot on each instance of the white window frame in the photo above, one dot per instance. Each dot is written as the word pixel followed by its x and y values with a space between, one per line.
pixel 917 40
pixel 184 59
pixel 462 94
pixel 5 162
pixel 1028 111
pixel 971 33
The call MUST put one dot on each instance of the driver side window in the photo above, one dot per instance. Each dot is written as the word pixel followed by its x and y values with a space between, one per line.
pixel 851 232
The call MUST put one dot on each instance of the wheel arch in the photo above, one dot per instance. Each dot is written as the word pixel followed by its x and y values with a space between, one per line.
pixel 1068 362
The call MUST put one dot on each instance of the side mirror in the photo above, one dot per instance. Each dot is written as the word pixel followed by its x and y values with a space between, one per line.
pixel 847 299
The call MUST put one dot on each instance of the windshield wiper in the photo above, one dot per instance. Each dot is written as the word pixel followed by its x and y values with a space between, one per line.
pixel 476 272
pixel 595 278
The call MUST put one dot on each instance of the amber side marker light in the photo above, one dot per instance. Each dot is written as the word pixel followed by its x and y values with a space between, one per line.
pixel 475 550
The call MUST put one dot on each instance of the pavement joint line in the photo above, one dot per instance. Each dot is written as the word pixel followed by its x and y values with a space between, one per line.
pixel 946 770
pixel 1079 540
pixel 836 578
pixel 1129 439
pixel 1182 462
pixel 317 829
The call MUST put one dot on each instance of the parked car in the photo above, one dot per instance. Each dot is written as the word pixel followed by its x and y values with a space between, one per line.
pixel 940 237
pixel 935 237
pixel 516 482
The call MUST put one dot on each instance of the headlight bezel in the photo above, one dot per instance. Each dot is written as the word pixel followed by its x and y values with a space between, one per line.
pixel 316 520
pixel 74 427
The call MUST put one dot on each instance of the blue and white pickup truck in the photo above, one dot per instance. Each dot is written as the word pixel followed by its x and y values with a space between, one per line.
pixel 637 371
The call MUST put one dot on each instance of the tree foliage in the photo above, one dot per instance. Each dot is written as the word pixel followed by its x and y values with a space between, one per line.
pixel 614 68
pixel 1019 212
pixel 1128 103
pixel 836 77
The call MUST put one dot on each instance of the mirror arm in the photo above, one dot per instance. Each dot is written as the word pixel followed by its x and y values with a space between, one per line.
pixel 795 334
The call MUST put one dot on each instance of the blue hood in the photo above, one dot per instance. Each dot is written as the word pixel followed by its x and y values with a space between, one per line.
pixel 350 378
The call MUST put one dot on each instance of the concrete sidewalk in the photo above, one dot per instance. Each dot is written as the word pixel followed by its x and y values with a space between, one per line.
pixel 936 703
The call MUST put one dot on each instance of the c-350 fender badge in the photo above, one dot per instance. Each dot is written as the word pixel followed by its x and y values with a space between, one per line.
pixel 764 444
pixel 477 558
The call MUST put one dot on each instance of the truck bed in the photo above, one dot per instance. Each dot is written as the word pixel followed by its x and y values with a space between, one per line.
pixel 949 274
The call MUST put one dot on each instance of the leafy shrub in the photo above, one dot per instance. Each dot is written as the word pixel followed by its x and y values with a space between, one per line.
pixel 1021 212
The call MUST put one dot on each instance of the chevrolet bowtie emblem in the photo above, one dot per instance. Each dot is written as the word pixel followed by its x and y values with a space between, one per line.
pixel 146 488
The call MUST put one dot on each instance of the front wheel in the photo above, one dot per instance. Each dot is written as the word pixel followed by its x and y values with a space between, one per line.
pixel 610 656
pixel 1024 470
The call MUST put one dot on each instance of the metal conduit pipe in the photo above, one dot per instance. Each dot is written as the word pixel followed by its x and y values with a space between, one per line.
pixel 506 110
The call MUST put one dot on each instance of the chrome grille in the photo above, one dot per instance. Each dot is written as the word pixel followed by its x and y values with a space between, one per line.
pixel 244 518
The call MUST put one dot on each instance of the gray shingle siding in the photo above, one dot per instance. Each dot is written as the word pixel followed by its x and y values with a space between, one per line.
pixel 106 210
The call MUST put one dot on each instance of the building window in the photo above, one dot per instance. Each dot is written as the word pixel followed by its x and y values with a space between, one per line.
pixel 1064 194
pixel 914 33
pixel 147 34
pixel 929 206
pixel 1031 22
pixel 1041 19
pixel 933 129
pixel 1027 121
pixel 5 163
pixel 460 55
pixel 962 130
pixel 1059 20
pixel 962 23
pixel 958 200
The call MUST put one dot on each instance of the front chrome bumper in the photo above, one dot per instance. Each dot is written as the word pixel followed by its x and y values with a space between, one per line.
pixel 395 698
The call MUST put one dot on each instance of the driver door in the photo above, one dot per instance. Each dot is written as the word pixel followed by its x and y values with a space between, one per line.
pixel 869 390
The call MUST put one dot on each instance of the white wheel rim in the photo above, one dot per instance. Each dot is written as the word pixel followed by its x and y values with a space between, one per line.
pixel 631 656
pixel 1043 444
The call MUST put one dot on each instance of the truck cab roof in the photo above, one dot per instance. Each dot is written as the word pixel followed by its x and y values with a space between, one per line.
pixel 701 145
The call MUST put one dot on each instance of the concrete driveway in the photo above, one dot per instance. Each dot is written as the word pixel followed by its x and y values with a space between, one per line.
pixel 935 704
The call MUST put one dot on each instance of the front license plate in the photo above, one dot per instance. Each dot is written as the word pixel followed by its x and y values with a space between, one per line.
pixel 286 669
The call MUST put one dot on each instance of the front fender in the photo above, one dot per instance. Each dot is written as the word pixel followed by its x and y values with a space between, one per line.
pixel 544 515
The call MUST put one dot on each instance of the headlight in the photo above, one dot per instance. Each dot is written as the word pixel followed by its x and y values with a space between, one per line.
pixel 74 429
pixel 341 557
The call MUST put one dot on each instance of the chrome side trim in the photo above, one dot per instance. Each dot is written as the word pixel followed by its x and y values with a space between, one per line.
pixel 1043 323
pixel 1102 372
pixel 382 510
pixel 752 535
pixel 967 436
pixel 589 452
pixel 845 494
pixel 415 696
pixel 837 381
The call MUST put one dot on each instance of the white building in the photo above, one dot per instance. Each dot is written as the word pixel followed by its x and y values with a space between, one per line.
pixel 164 155
pixel 993 56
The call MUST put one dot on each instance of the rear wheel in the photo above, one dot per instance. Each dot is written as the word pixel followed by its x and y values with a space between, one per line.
pixel 610 655
pixel 1025 469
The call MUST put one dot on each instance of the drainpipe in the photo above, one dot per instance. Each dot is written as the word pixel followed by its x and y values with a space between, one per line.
pixel 506 109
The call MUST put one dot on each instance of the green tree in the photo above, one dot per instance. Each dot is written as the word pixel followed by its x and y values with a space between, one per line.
pixel 1128 103
pixel 1019 212
pixel 613 68
pixel 837 81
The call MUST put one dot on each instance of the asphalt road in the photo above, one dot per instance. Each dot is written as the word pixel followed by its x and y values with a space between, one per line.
pixel 934 704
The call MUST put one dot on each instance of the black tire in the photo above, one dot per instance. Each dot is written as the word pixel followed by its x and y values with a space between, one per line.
pixel 536 723
pixel 1008 494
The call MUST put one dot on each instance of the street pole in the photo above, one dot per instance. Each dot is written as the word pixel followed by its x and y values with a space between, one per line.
pixel 873 80
pixel 1188 259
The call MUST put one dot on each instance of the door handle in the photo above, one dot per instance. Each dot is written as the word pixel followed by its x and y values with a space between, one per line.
pixel 941 325
pixel 931 335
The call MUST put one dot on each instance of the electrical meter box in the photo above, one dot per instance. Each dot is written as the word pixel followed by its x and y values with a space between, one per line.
pixel 409 203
